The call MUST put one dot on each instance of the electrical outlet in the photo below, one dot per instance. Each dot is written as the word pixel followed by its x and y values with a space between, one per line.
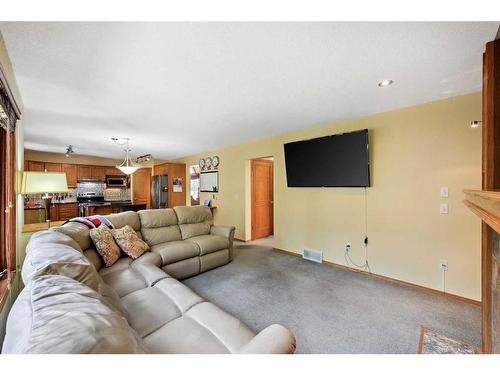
pixel 443 264
pixel 444 192
pixel 348 247
pixel 443 208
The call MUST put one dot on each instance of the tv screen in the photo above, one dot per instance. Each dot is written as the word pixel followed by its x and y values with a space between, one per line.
pixel 339 160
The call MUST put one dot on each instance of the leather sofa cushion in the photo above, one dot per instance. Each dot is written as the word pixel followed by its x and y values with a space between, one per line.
pixel 183 268
pixel 56 314
pixel 159 225
pixel 121 219
pixel 193 230
pixel 155 236
pixel 150 308
pixel 80 233
pixel 175 251
pixel 213 260
pixel 204 328
pixel 157 218
pixel 93 256
pixel 194 220
pixel 193 214
pixel 209 243
pixel 122 277
pixel 46 254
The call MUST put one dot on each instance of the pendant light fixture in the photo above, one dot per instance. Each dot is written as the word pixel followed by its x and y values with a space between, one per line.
pixel 128 166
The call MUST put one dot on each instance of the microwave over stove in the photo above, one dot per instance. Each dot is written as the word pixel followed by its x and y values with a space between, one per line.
pixel 116 181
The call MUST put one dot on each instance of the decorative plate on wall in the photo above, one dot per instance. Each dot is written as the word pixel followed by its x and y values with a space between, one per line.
pixel 202 163
pixel 215 161
pixel 208 162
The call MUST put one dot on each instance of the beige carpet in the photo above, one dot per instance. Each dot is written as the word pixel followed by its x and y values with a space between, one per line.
pixel 330 310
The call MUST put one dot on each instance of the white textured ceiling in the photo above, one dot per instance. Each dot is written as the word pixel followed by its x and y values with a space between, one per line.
pixel 181 88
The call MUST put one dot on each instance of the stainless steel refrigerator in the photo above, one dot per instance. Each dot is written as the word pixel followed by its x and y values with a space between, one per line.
pixel 159 191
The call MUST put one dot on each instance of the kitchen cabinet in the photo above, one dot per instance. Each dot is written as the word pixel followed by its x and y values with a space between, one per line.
pixel 67 211
pixel 113 171
pixel 53 167
pixel 141 186
pixel 34 215
pixel 58 212
pixel 71 171
pixel 160 170
pixel 98 210
pixel 36 166
pixel 99 173
pixel 84 171
pixel 173 171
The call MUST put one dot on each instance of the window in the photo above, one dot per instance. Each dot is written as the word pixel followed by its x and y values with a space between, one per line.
pixel 8 118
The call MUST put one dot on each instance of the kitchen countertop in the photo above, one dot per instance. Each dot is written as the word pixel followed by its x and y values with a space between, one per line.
pixel 36 227
pixel 111 203
pixel 41 207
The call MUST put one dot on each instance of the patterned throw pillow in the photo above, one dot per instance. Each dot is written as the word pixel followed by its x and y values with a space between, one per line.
pixel 105 244
pixel 129 242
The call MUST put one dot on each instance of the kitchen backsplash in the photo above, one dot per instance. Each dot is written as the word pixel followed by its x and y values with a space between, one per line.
pixel 36 199
pixel 116 194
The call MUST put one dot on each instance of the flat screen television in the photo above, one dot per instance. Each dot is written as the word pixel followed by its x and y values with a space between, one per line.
pixel 339 160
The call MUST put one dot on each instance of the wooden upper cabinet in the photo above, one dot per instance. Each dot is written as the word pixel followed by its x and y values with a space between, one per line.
pixel 53 167
pixel 160 170
pixel 71 171
pixel 84 171
pixel 141 186
pixel 36 166
pixel 99 173
pixel 113 171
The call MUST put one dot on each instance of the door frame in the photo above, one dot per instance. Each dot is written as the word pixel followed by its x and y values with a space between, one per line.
pixel 252 193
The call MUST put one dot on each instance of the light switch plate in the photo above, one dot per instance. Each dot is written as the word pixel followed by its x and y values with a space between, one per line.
pixel 443 208
pixel 444 192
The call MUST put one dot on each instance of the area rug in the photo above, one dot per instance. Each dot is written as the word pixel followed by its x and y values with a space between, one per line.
pixel 433 342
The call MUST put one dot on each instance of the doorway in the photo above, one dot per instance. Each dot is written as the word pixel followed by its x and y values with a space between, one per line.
pixel 262 197
pixel 194 172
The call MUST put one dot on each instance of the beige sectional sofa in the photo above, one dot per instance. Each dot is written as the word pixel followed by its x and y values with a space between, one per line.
pixel 72 304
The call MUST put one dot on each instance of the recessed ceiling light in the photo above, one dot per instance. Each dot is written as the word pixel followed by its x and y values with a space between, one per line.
pixel 385 83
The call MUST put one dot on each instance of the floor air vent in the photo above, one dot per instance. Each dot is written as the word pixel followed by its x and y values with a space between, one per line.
pixel 313 255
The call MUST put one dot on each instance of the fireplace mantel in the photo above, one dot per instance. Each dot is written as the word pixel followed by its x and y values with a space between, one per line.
pixel 485 204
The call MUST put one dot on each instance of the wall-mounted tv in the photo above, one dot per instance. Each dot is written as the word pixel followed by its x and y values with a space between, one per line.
pixel 338 160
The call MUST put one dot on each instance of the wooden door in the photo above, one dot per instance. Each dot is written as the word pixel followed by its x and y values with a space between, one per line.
pixel 53 167
pixel 99 173
pixel 262 198
pixel 141 186
pixel 71 171
pixel 84 171
pixel 36 166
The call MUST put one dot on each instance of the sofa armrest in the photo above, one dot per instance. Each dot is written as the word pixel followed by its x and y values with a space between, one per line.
pixel 274 339
pixel 224 231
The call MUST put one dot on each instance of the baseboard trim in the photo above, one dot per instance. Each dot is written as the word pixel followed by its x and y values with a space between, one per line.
pixel 392 280
pixel 237 239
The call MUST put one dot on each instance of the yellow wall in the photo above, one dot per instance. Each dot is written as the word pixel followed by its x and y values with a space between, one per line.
pixel 414 151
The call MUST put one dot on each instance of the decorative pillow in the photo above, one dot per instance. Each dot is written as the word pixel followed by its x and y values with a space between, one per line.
pixel 105 244
pixel 129 241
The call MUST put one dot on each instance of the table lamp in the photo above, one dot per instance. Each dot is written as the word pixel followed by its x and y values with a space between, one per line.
pixel 44 183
